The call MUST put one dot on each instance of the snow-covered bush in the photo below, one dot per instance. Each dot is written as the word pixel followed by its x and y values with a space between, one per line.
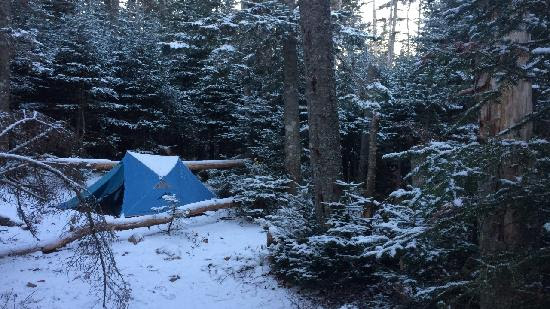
pixel 349 251
pixel 421 245
pixel 256 189
pixel 460 184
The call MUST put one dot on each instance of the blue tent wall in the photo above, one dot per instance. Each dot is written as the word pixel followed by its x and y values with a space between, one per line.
pixel 192 189
pixel 180 182
pixel 143 188
pixel 138 180
pixel 104 187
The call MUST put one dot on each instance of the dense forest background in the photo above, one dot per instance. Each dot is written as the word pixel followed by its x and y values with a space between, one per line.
pixel 443 172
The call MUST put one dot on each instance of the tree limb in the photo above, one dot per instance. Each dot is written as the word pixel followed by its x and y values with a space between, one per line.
pixel 121 224
pixel 105 164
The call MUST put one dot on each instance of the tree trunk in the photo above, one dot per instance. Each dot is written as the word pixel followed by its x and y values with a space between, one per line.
pixel 505 230
pixel 419 16
pixel 363 157
pixel 324 135
pixel 335 5
pixel 391 41
pixel 372 75
pixel 112 6
pixel 148 5
pixel 514 103
pixel 374 20
pixel 104 164
pixel 408 30
pixel 293 147
pixel 5 55
pixel 369 152
pixel 371 172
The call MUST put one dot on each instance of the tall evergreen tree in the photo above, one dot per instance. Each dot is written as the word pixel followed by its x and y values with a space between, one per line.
pixel 324 131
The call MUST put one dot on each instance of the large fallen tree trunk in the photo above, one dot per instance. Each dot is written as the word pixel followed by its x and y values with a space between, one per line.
pixel 214 164
pixel 104 164
pixel 121 224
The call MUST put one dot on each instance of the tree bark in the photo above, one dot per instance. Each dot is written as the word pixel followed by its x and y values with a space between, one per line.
pixel 370 152
pixel 391 40
pixel 374 20
pixel 324 135
pixel 293 147
pixel 419 16
pixel 372 75
pixel 104 164
pixel 408 30
pixel 335 5
pixel 505 230
pixel 363 156
pixel 514 103
pixel 5 55
pixel 112 6
pixel 371 171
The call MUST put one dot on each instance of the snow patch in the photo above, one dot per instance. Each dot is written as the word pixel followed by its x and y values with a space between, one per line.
pixel 160 165
pixel 80 160
pixel 541 51
pixel 178 45
pixel 224 47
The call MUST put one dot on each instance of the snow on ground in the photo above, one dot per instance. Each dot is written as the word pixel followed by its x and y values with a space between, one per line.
pixel 8 212
pixel 207 262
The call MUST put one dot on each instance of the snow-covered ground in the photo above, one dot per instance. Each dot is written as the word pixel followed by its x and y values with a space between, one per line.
pixel 212 261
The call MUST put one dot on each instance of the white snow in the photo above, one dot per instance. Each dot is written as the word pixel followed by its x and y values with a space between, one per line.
pixel 206 262
pixel 8 212
pixel 17 33
pixel 541 50
pixel 160 165
pixel 224 47
pixel 458 202
pixel 178 45
pixel 81 160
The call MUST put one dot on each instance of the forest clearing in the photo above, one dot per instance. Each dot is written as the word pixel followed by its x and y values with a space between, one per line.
pixel 207 262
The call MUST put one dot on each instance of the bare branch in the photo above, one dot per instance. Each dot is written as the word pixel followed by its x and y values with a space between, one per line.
pixel 13 168
pixel 32 140
pixel 22 188
pixel 70 183
pixel 14 125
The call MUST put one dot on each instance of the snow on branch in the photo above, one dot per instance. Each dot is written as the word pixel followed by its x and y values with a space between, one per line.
pixel 19 122
pixel 105 164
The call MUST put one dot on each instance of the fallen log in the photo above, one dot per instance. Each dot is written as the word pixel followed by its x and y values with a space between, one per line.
pixel 214 164
pixel 121 224
pixel 105 164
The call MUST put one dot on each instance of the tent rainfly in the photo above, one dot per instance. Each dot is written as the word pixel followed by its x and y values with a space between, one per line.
pixel 140 184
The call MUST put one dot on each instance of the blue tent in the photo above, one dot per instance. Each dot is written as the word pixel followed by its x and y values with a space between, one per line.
pixel 139 184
